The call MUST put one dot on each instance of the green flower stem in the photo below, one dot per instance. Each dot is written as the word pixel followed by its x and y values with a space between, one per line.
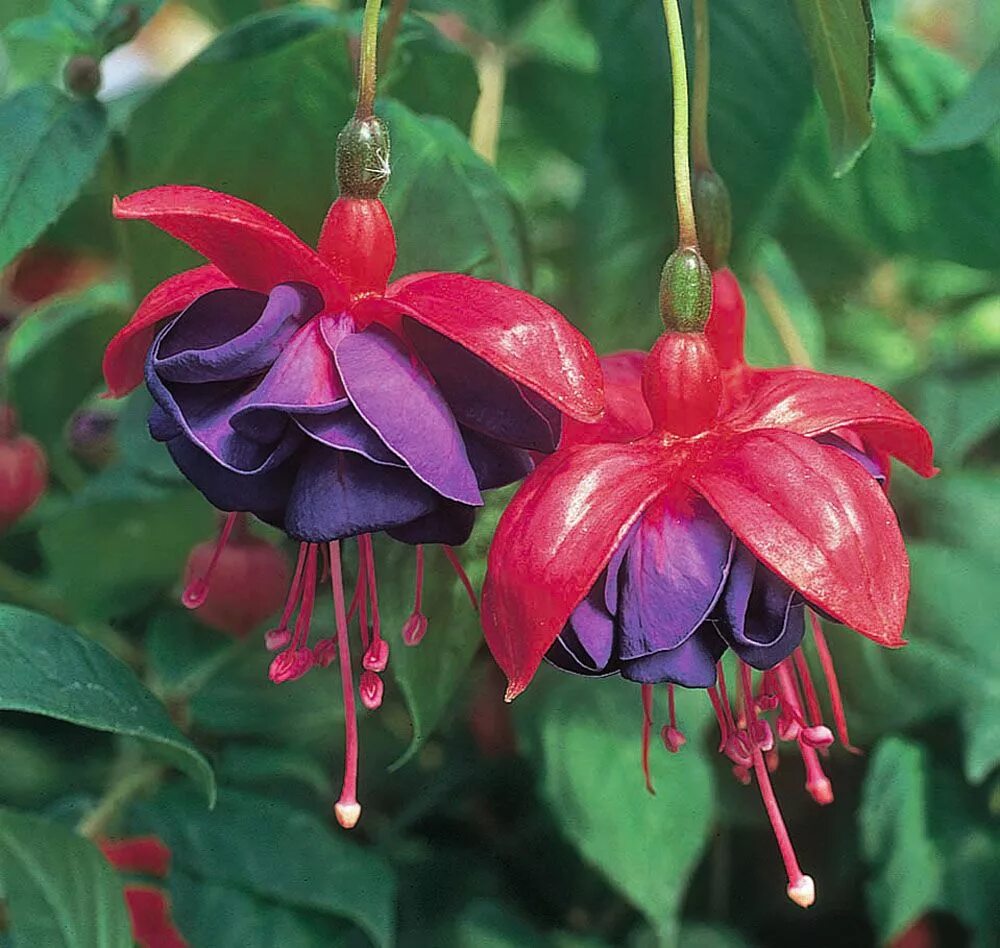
pixel 484 136
pixel 369 59
pixel 700 155
pixel 687 233
pixel 780 318
pixel 132 782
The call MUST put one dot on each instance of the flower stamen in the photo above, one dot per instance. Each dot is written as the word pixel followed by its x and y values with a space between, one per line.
pixel 346 809
pixel 647 726
pixel 197 590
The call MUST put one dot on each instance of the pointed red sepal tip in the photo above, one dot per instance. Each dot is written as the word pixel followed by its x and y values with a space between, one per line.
pixel 682 384
pixel 802 892
pixel 347 812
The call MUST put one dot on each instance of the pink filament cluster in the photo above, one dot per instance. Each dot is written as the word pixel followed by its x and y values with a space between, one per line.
pixel 750 740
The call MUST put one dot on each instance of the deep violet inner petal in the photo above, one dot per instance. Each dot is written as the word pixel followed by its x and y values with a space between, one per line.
pixel 866 461
pixel 691 664
pixel 449 523
pixel 345 430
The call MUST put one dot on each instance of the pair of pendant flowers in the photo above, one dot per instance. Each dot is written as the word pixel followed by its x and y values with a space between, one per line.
pixel 676 505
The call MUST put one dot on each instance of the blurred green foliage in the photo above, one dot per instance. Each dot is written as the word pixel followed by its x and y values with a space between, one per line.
pixel 485 826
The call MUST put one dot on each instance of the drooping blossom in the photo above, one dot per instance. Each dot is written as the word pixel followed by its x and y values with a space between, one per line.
pixel 302 386
pixel 712 508
pixel 24 470
pixel 148 904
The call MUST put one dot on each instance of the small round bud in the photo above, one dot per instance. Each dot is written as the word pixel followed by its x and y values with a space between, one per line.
pixel 363 158
pixel 714 215
pixel 82 75
pixel 91 437
pixel 685 291
pixel 23 470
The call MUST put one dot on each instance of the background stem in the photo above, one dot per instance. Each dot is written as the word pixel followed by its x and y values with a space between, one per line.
pixel 700 156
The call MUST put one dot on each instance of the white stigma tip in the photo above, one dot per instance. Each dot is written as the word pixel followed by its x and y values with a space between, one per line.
pixel 347 814
pixel 802 892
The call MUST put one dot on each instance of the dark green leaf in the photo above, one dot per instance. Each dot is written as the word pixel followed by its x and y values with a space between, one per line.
pixel 483 16
pixel 59 891
pixel 49 669
pixel 55 353
pixel 841 40
pixel 182 654
pixel 972 116
pixel 269 850
pixel 253 765
pixel 51 147
pixel 928 846
pixel 584 736
pixel 111 555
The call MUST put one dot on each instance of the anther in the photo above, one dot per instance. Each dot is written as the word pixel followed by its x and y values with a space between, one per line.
pixel 371 688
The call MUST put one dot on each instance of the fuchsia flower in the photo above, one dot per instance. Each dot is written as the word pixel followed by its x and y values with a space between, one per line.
pixel 301 386
pixel 148 905
pixel 711 507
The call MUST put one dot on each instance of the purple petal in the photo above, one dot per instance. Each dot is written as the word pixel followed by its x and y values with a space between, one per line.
pixel 691 664
pixel 675 571
pixel 341 494
pixel 593 627
pixel 566 654
pixel 866 461
pixel 495 464
pixel 407 410
pixel 760 616
pixel 612 581
pixel 232 334
pixel 480 396
pixel 449 524
pixel 345 430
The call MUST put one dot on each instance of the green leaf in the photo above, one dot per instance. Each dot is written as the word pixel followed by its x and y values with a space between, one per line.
pixel 584 737
pixel 270 850
pixel 928 846
pixel 52 144
pixel 183 655
pixel 951 663
pixel 254 765
pixel 898 201
pixel 59 890
pixel 840 36
pixel 430 674
pixel 699 935
pixel 54 356
pixel 970 117
pixel 49 669
pixel 112 555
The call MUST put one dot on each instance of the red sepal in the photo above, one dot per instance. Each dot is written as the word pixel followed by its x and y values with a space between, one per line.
pixel 152 922
pixel 359 244
pixel 523 337
pixel 626 416
pixel 812 403
pixel 255 250
pixel 554 539
pixel 147 855
pixel 681 383
pixel 125 355
pixel 817 519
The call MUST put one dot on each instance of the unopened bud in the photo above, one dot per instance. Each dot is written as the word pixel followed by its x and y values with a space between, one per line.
pixel 363 158
pixel 714 215
pixel 685 291
pixel 82 76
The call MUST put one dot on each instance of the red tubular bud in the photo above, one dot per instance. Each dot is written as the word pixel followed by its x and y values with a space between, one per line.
pixel 727 319
pixel 681 383
pixel 358 241
pixel 24 470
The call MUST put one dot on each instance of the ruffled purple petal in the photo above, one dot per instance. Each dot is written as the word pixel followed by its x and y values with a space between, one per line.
pixel 613 573
pixel 593 628
pixel 340 494
pixel 406 409
pixel 346 430
pixel 869 463
pixel 691 664
pixel 483 398
pixel 495 464
pixel 233 333
pixel 760 616
pixel 449 524
pixel 675 571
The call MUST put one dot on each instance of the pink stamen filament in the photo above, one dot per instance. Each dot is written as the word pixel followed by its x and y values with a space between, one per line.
pixel 372 588
pixel 293 592
pixel 832 685
pixel 647 725
pixel 725 699
pixel 197 590
pixel 672 706
pixel 359 588
pixel 457 567
pixel 720 716
pixel 304 619
pixel 801 889
pixel 347 809
pixel 363 600
pixel 808 688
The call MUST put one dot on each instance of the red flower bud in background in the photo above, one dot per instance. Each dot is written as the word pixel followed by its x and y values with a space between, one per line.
pixel 249 580
pixel 24 471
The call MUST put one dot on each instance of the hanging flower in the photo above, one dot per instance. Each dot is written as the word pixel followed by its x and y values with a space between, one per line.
pixel 711 508
pixel 302 386
pixel 148 905
pixel 24 470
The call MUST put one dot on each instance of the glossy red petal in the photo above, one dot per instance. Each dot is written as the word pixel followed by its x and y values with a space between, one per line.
pixel 152 922
pixel 554 539
pixel 515 332
pixel 255 250
pixel 812 403
pixel 146 855
pixel 359 244
pixel 818 520
pixel 626 416
pixel 125 356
